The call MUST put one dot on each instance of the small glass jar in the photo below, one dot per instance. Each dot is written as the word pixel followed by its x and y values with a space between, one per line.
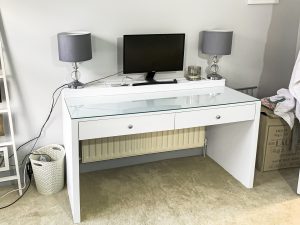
pixel 193 73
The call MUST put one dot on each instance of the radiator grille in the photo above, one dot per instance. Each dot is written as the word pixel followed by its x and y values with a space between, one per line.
pixel 141 144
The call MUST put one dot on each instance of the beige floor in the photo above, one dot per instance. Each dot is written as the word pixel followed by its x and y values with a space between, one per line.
pixel 179 191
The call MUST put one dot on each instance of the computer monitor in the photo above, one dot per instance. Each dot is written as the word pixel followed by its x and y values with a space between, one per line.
pixel 151 53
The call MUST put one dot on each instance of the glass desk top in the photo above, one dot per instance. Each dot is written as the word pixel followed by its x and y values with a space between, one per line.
pixel 112 105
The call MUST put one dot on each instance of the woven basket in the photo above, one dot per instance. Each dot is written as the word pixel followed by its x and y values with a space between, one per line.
pixel 49 176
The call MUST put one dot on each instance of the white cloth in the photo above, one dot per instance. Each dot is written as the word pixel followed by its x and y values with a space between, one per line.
pixel 294 86
pixel 285 108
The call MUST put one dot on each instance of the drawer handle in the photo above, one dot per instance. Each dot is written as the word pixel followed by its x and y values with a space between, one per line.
pixel 130 126
pixel 218 117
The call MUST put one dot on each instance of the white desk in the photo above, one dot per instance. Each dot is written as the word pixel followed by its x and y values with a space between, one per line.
pixel 232 119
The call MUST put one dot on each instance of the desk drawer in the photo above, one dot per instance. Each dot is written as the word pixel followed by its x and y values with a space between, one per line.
pixel 124 126
pixel 212 116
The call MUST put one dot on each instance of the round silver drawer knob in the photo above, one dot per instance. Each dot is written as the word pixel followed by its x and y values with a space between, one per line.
pixel 218 117
pixel 130 126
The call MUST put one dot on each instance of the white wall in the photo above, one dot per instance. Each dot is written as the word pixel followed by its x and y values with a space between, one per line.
pixel 298 40
pixel 279 56
pixel 31 27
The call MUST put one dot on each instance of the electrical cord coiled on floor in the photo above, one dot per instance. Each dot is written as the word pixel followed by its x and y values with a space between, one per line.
pixel 29 173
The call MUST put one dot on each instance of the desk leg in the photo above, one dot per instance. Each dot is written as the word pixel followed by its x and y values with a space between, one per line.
pixel 71 144
pixel 233 146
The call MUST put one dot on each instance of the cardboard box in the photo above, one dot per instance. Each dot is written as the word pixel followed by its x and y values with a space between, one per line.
pixel 278 145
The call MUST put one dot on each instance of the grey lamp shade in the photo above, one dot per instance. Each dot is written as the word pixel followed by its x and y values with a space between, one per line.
pixel 216 42
pixel 74 46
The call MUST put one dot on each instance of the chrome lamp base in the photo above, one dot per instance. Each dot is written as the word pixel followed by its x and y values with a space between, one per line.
pixel 214 76
pixel 214 68
pixel 76 84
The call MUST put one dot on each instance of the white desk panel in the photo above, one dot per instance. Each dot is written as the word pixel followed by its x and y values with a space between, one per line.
pixel 232 138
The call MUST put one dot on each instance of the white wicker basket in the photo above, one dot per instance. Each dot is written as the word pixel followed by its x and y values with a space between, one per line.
pixel 49 176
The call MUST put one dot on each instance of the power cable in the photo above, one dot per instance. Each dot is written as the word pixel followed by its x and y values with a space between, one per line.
pixel 29 173
pixel 25 159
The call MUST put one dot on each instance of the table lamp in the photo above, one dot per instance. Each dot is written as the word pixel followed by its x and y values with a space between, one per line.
pixel 216 43
pixel 74 47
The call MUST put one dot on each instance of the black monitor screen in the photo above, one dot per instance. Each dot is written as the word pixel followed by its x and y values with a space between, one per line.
pixel 153 52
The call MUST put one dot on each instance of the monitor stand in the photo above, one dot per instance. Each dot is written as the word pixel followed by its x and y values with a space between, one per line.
pixel 150 80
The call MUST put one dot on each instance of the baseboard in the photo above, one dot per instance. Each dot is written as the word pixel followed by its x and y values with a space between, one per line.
pixel 130 161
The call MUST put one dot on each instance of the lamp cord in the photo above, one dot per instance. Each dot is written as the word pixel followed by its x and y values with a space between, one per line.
pixel 25 159
pixel 48 117
pixel 52 107
pixel 94 81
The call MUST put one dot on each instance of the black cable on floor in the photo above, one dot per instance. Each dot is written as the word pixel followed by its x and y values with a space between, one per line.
pixel 29 173
pixel 3 207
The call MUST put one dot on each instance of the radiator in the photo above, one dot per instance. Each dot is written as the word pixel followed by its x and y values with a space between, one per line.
pixel 140 144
